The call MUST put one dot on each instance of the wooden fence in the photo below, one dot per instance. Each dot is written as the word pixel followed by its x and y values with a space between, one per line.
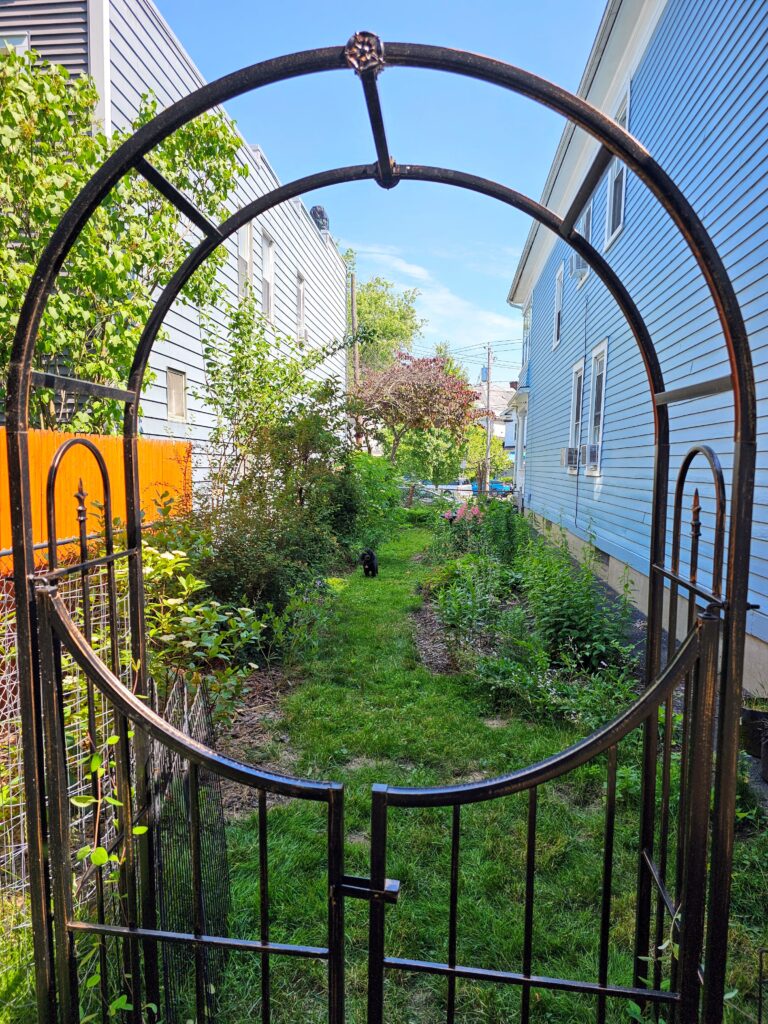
pixel 165 467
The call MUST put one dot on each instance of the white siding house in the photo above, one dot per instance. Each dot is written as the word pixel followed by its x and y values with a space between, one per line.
pixel 295 269
pixel 689 81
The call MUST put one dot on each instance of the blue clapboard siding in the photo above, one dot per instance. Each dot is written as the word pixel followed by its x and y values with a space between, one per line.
pixel 699 103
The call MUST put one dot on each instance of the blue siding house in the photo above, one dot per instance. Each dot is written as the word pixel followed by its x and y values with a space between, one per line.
pixel 690 81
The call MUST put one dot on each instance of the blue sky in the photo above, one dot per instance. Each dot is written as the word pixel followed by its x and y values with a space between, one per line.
pixel 458 249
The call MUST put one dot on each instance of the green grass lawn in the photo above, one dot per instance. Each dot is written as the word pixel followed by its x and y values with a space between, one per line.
pixel 365 710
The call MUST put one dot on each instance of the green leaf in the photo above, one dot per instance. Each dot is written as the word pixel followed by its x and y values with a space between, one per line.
pixel 99 857
pixel 139 830
pixel 83 801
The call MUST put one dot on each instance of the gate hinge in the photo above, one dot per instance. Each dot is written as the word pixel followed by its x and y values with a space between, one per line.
pixel 361 889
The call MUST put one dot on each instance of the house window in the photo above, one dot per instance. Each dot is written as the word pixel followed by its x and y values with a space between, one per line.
pixel 577 402
pixel 268 276
pixel 578 266
pixel 558 324
pixel 244 259
pixel 18 42
pixel 617 187
pixel 597 409
pixel 176 382
pixel 526 334
pixel 301 329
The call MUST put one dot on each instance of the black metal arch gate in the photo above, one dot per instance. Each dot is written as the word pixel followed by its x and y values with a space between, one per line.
pixel 707 663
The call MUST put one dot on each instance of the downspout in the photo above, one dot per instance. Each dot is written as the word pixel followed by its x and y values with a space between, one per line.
pixel 581 421
pixel 100 61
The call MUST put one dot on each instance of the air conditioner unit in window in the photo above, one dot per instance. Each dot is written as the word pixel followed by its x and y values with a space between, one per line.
pixel 592 459
pixel 577 266
pixel 569 457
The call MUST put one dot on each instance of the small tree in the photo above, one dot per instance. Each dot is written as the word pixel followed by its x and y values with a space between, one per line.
pixel 431 455
pixel 414 394
pixel 474 453
pixel 265 403
pixel 387 322
pixel 128 249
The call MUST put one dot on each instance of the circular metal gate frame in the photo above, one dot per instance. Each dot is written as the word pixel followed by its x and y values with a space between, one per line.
pixel 367 57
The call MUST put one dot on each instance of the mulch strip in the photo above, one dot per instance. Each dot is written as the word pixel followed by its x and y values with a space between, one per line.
pixel 252 727
pixel 434 650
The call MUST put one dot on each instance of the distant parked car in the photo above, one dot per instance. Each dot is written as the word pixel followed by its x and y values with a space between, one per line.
pixel 497 489
pixel 460 488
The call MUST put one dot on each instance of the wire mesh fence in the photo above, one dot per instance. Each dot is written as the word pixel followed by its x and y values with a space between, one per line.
pixel 173 859
pixel 91 730
pixel 15 936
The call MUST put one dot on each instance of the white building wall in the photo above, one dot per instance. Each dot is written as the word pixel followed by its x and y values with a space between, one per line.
pixel 144 56
pixel 130 50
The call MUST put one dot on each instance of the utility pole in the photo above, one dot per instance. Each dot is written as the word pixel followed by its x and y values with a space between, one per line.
pixel 488 422
pixel 355 352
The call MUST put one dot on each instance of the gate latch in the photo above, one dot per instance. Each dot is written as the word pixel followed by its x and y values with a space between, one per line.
pixel 361 889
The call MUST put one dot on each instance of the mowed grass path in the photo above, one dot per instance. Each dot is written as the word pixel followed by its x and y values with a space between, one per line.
pixel 365 710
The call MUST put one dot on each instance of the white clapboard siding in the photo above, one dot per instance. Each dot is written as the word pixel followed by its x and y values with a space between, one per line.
pixel 57 30
pixel 144 56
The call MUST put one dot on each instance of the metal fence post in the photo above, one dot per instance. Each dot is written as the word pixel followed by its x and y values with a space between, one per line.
pixel 698 791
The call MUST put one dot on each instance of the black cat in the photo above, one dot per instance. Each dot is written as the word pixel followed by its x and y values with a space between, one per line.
pixel 369 562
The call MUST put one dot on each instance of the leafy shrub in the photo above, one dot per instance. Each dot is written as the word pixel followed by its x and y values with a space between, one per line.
pixel 469 592
pixel 504 531
pixel 378 502
pixel 261 558
pixel 191 634
pixel 297 630
pixel 428 515
pixel 572 616
pixel 523 679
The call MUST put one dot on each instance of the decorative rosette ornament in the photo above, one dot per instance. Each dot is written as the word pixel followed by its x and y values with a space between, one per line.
pixel 365 52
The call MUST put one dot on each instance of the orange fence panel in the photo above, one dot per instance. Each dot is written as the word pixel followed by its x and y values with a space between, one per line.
pixel 165 467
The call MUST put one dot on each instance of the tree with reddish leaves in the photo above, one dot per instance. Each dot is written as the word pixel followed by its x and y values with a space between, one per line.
pixel 413 394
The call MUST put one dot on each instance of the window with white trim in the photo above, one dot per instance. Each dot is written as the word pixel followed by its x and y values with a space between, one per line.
pixel 301 327
pixel 244 259
pixel 617 186
pixel 557 327
pixel 597 409
pixel 267 276
pixel 18 42
pixel 579 267
pixel 526 333
pixel 577 406
pixel 176 385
